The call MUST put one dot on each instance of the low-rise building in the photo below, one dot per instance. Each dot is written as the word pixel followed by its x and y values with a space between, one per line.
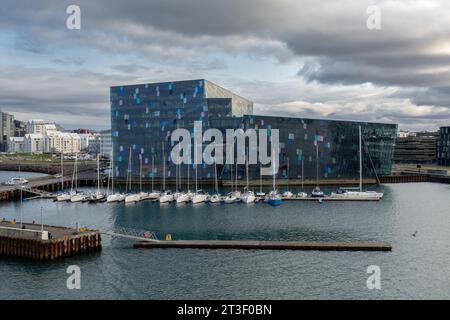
pixel 16 144
pixel 416 148
pixel 33 143
pixel 443 147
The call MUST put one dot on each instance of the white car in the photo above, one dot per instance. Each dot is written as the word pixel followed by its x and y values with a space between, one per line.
pixel 16 181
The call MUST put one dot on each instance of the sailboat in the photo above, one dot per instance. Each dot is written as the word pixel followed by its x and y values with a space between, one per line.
pixel 216 197
pixel 166 195
pixel 132 197
pixel 248 196
pixel 142 195
pixel 302 194
pixel 113 197
pixel 185 197
pixel 274 198
pixel 199 195
pixel 154 194
pixel 97 196
pixel 65 196
pixel 76 196
pixel 260 194
pixel 231 196
pixel 358 195
pixel 317 193
pixel 287 193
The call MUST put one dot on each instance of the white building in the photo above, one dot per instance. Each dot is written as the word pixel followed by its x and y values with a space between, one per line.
pixel 86 139
pixel 16 144
pixel 33 143
pixel 61 142
pixel 105 143
pixel 35 126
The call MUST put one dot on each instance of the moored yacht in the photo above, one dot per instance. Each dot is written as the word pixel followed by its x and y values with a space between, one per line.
pixel 360 194
pixel 317 193
pixel 166 196
pixel 248 197
pixel 199 197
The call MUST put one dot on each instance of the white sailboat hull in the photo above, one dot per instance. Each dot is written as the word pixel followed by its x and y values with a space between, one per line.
pixel 166 198
pixel 132 198
pixel 77 198
pixel 248 198
pixel 117 197
pixel 183 198
pixel 199 198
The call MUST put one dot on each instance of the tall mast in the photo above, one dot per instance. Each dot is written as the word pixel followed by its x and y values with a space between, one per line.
pixel 196 177
pixel 236 176
pixel 317 163
pixel 76 172
pixel 260 179
pixel 164 168
pixel 153 173
pixel 140 173
pixel 62 171
pixel 98 173
pixel 216 185
pixel 246 167
pixel 303 172
pixel 188 169
pixel 112 173
pixel 287 177
pixel 273 173
pixel 129 171
pixel 360 160
pixel 73 178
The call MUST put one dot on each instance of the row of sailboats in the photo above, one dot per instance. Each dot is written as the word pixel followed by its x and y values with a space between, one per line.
pixel 199 196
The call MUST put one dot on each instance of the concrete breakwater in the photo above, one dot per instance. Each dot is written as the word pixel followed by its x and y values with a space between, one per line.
pixel 35 242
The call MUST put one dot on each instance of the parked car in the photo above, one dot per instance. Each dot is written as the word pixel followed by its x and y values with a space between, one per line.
pixel 16 181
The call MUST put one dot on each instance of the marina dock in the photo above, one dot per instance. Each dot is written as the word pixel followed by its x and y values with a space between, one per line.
pixel 265 245
pixel 42 242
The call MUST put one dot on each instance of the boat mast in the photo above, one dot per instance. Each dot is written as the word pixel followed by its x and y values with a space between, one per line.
pixel 140 173
pixel 196 177
pixel 153 173
pixel 98 173
pixel 303 170
pixel 246 167
pixel 273 163
pixel 360 160
pixel 76 173
pixel 73 178
pixel 236 176
pixel 188 169
pixel 216 184
pixel 164 168
pixel 129 171
pixel 260 179
pixel 287 178
pixel 112 173
pixel 62 171
pixel 317 163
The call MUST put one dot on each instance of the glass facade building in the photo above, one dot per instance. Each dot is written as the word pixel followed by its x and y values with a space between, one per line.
pixel 143 117
pixel 443 147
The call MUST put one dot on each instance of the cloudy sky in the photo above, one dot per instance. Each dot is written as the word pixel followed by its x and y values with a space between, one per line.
pixel 291 57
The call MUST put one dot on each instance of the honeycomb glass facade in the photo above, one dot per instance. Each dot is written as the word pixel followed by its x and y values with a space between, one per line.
pixel 143 117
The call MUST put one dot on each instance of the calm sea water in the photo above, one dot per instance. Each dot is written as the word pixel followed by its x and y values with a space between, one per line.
pixel 418 267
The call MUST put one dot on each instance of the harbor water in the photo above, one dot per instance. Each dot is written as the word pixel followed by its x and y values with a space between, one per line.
pixel 413 218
